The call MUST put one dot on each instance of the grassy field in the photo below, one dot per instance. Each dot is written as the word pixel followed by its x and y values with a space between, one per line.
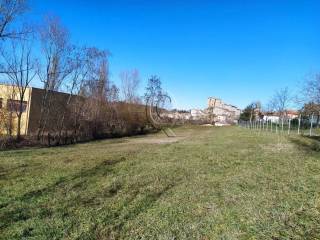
pixel 208 183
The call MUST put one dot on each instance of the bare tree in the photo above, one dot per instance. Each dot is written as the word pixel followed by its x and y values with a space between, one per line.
pixel 281 101
pixel 130 81
pixel 97 73
pixel 86 105
pixel 153 89
pixel 56 66
pixel 56 49
pixel 72 85
pixel 156 101
pixel 98 99
pixel 113 93
pixel 310 97
pixel 97 92
pixel 310 90
pixel 20 68
pixel 10 11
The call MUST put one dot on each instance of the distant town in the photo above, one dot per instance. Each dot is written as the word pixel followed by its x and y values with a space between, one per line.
pixel 217 113
pixel 220 113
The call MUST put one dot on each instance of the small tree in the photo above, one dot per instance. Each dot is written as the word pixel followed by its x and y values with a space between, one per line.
pixel 251 112
pixel 281 101
pixel 153 89
pixel 246 113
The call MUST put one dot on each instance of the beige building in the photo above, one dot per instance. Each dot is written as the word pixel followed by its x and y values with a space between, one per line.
pixel 9 105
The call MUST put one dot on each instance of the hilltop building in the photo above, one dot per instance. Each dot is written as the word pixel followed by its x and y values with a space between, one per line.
pixel 217 112
pixel 223 112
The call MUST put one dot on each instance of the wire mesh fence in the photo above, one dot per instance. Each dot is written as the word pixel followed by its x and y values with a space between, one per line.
pixel 303 125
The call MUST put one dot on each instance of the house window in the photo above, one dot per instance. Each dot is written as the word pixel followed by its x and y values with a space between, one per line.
pixel 14 105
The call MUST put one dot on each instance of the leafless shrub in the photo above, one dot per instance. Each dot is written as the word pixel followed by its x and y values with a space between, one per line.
pixel 130 82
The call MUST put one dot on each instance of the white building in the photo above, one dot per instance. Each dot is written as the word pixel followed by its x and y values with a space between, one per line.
pixel 275 116
pixel 271 118
pixel 197 113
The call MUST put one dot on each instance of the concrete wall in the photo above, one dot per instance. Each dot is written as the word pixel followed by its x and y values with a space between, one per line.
pixel 58 102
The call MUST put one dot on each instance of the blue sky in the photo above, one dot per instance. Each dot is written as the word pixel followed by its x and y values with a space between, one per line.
pixel 236 50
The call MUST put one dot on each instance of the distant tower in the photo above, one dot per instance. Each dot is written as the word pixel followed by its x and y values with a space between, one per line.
pixel 214 102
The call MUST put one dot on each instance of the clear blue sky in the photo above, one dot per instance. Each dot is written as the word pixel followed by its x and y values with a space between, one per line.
pixel 236 50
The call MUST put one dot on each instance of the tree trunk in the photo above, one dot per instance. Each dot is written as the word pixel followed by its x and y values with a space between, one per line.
pixel 19 127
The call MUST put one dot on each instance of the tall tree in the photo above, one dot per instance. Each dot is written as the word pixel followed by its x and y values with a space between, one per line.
pixel 129 85
pixel 56 65
pixel 20 68
pixel 84 81
pixel 72 85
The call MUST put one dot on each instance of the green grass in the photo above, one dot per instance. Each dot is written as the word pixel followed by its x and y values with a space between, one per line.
pixel 213 183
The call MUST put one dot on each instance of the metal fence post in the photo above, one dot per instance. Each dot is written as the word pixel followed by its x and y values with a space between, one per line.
pixel 311 124
pixel 299 123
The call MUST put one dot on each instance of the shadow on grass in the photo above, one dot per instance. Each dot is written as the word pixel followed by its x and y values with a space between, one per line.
pixel 118 221
pixel 7 173
pixel 317 138
pixel 301 224
pixel 102 169
pixel 307 143
pixel 19 208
